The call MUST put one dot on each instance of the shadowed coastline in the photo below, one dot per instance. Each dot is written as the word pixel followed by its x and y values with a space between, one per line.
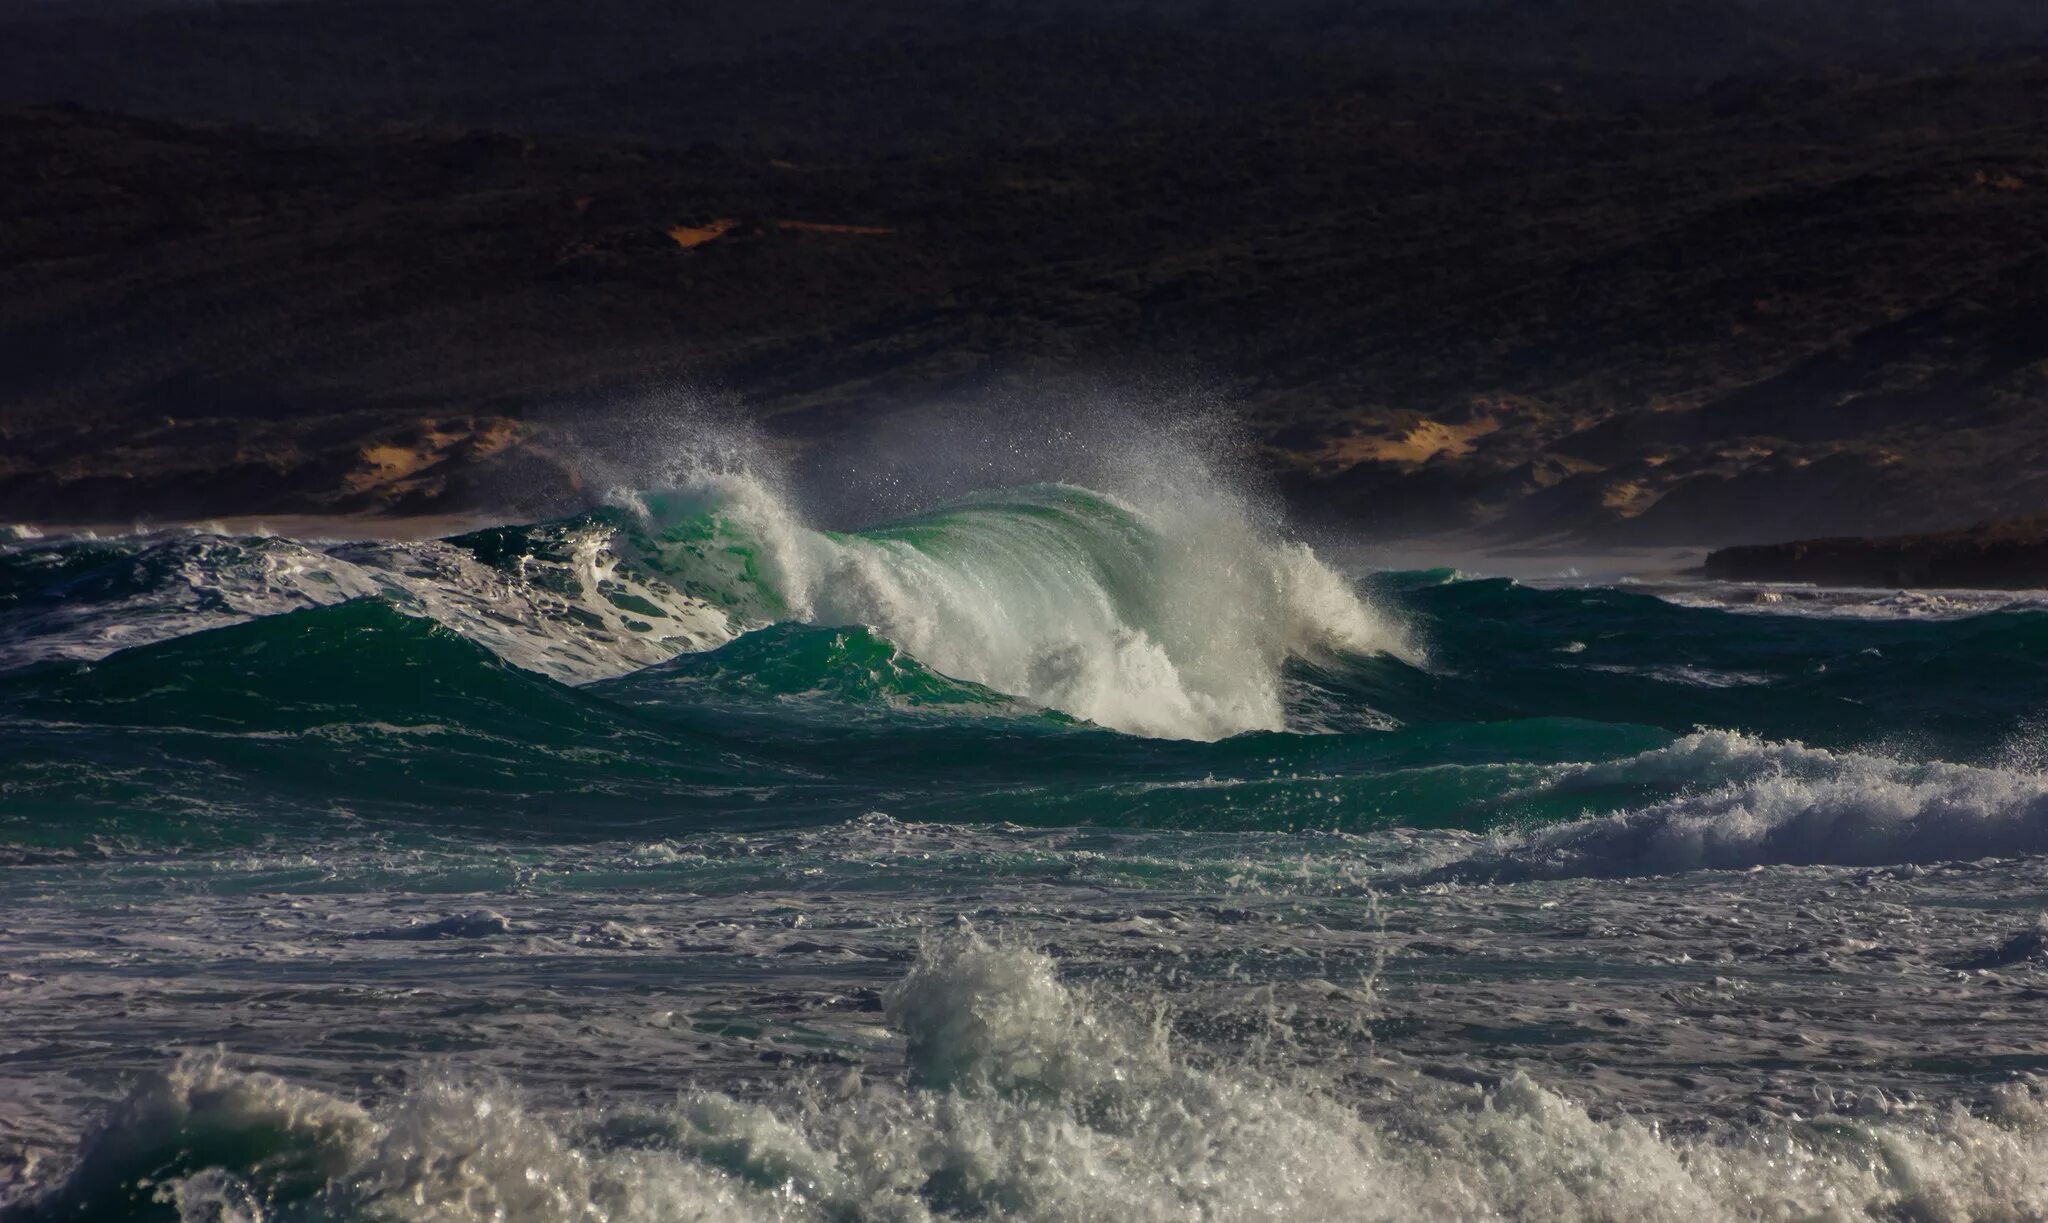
pixel 1452 276
pixel 1989 556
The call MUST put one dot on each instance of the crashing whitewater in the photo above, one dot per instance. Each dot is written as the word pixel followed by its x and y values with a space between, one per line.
pixel 1022 1097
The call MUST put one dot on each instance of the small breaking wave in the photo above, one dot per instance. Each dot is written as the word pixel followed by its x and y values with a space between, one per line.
pixel 1744 802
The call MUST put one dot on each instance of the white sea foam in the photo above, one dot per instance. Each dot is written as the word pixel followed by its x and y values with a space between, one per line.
pixel 575 616
pixel 1690 676
pixel 1748 801
pixel 1848 603
pixel 1028 1100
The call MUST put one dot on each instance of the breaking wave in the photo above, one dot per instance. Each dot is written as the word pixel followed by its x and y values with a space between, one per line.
pixel 1169 620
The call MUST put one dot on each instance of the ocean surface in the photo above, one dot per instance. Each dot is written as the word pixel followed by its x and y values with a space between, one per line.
pixel 1048 854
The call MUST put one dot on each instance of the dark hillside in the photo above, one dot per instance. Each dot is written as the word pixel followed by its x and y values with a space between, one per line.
pixel 1698 270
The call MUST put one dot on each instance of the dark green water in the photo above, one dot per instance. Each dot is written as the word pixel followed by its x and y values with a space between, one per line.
pixel 369 711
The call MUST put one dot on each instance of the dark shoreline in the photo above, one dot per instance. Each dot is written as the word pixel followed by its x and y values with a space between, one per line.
pixel 1423 318
pixel 1989 556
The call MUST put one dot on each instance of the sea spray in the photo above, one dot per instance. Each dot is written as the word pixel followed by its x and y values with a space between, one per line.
pixel 1121 571
pixel 1171 628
